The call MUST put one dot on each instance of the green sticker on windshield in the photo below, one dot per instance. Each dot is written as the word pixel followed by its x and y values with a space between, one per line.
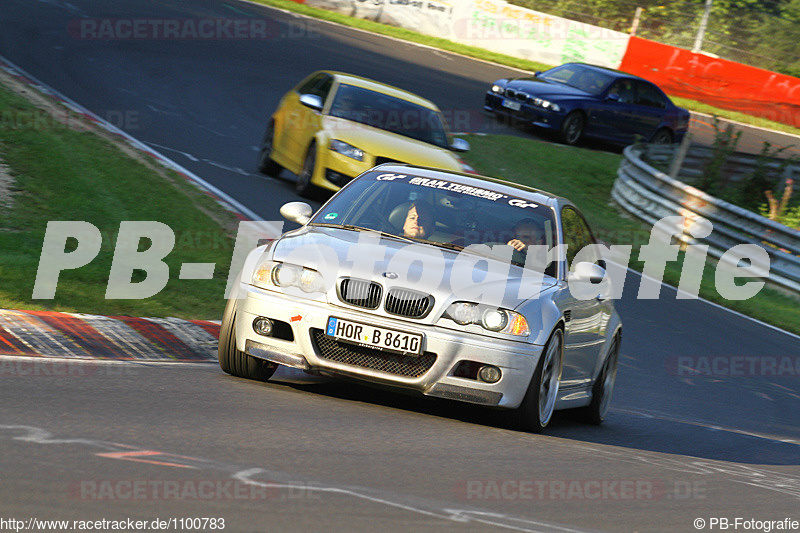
pixel 331 216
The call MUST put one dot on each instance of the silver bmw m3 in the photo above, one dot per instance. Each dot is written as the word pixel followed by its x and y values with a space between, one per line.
pixel 451 285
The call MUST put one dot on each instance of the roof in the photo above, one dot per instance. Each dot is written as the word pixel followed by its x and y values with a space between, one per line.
pixel 615 72
pixel 390 90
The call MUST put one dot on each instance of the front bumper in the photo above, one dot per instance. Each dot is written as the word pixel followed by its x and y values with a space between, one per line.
pixel 530 114
pixel 431 374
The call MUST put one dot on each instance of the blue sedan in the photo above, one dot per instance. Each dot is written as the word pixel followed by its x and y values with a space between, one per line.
pixel 576 100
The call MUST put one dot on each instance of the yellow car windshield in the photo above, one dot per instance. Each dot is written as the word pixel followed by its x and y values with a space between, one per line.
pixel 390 114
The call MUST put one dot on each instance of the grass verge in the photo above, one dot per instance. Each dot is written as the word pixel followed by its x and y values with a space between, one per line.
pixel 65 170
pixel 586 177
pixel 501 59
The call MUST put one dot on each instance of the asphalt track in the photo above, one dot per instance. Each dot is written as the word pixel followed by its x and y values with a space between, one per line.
pixel 304 454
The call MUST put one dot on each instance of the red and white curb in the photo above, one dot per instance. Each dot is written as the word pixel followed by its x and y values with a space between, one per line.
pixel 80 336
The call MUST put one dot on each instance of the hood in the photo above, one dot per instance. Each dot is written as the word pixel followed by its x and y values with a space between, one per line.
pixel 382 143
pixel 543 88
pixel 447 275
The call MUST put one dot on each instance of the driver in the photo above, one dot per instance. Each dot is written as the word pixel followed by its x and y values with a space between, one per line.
pixel 420 222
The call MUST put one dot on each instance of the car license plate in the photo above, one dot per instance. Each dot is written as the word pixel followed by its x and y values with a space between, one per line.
pixel 516 106
pixel 385 339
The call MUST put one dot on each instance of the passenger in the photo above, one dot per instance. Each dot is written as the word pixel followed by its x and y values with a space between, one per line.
pixel 527 232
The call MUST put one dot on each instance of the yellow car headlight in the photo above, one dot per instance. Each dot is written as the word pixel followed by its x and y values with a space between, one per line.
pixel 346 149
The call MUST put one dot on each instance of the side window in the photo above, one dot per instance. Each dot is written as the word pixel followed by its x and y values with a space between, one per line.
pixel 309 84
pixel 319 85
pixel 323 87
pixel 648 95
pixel 624 90
pixel 576 235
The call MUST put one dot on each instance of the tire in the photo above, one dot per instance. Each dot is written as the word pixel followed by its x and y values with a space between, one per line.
pixel 233 361
pixel 603 387
pixel 662 136
pixel 304 187
pixel 538 405
pixel 572 128
pixel 265 163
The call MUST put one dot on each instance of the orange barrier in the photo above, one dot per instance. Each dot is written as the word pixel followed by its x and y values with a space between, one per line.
pixel 718 82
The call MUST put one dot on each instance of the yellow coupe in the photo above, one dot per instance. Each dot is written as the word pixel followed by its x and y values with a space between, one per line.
pixel 334 126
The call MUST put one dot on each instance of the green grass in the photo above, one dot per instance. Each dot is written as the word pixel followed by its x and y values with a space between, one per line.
pixel 586 177
pixel 501 59
pixel 66 175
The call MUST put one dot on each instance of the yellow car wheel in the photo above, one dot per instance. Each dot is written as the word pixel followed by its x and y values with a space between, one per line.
pixel 265 163
pixel 304 187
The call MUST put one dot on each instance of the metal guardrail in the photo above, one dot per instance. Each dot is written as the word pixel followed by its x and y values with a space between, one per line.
pixel 738 167
pixel 651 195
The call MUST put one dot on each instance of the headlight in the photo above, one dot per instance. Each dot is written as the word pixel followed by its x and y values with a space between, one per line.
pixel 489 318
pixel 285 275
pixel 311 281
pixel 264 273
pixel 546 104
pixel 498 89
pixel 494 319
pixel 346 149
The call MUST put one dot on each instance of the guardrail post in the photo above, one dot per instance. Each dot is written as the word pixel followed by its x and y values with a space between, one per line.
pixel 677 160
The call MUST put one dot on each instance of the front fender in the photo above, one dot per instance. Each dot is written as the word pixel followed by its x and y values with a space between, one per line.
pixel 543 316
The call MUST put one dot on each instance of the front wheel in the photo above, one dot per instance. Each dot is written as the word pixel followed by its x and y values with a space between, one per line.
pixel 603 387
pixel 265 163
pixel 304 187
pixel 234 361
pixel 539 403
pixel 572 128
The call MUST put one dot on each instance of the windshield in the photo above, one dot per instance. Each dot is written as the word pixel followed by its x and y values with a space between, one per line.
pixel 390 114
pixel 581 77
pixel 443 213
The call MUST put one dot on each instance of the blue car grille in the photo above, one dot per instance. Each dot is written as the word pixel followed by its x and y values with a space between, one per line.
pixel 516 95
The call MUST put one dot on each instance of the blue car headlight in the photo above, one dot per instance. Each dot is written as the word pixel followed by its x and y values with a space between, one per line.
pixel 346 149
pixel 546 104
pixel 497 89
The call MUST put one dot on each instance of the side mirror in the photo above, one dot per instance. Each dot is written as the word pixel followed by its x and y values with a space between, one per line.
pixel 612 98
pixel 311 100
pixel 536 74
pixel 590 272
pixel 299 212
pixel 459 145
